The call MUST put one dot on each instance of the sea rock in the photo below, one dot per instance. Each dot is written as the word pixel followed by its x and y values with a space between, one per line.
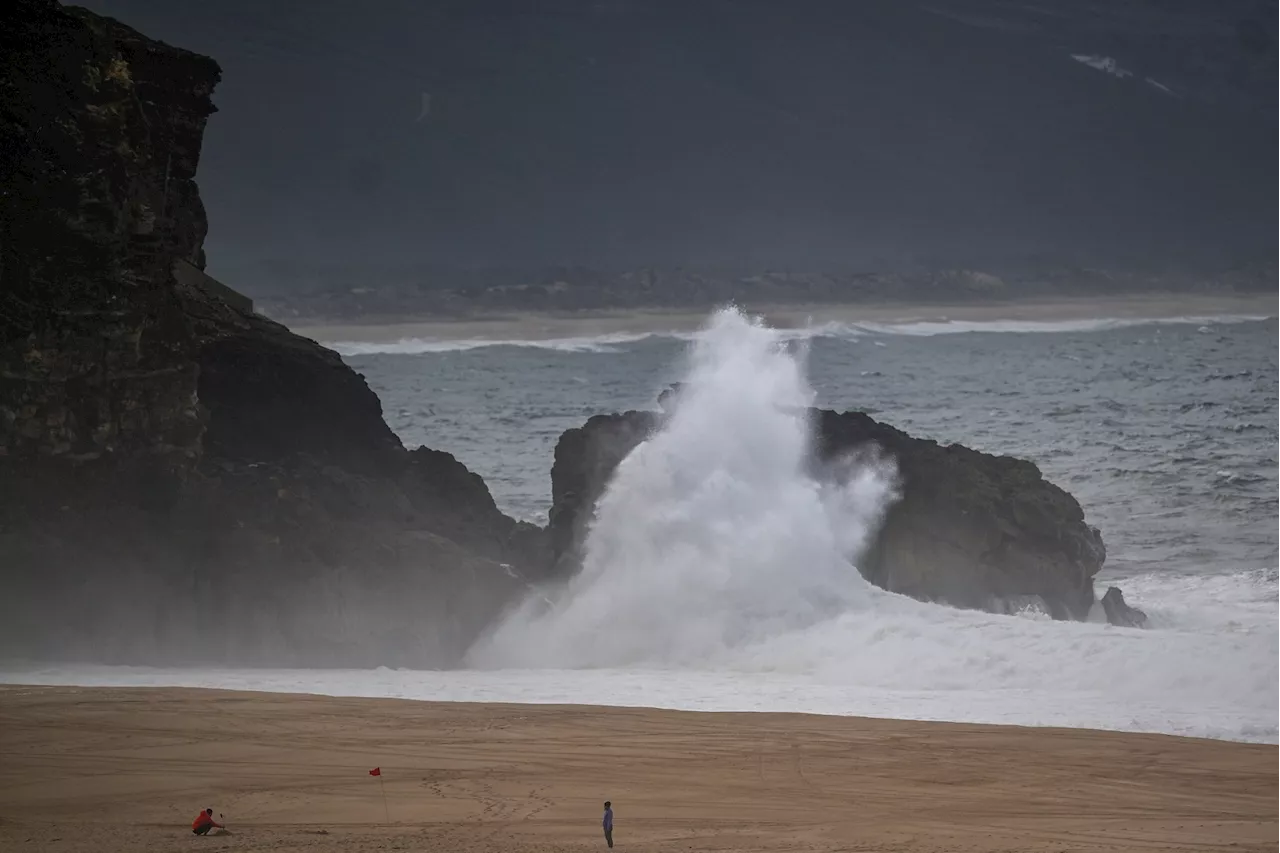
pixel 1119 612
pixel 585 458
pixel 181 479
pixel 971 529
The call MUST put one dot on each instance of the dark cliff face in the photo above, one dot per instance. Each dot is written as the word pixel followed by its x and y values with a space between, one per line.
pixel 272 394
pixel 971 529
pixel 181 480
pixel 585 459
pixel 101 132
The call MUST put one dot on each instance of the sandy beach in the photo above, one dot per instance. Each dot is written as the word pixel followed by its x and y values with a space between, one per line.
pixel 585 324
pixel 111 770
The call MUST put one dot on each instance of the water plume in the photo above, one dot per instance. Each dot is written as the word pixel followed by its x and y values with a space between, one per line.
pixel 714 534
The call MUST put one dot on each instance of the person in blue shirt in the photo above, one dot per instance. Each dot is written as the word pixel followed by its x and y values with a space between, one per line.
pixel 608 823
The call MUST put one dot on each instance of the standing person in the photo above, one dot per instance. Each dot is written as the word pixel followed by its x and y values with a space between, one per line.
pixel 204 822
pixel 608 823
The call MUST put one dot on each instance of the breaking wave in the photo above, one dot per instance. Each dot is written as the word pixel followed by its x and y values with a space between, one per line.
pixel 419 346
pixel 713 535
pixel 718 579
pixel 714 552
pixel 614 342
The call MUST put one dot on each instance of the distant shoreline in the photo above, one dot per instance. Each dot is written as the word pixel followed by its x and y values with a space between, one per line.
pixel 531 325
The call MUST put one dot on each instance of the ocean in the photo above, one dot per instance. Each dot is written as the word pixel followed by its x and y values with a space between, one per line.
pixel 715 579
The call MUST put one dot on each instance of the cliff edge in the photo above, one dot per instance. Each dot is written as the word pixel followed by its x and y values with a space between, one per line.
pixel 185 480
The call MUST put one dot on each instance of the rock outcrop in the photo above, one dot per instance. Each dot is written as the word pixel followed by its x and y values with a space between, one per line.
pixel 1119 612
pixel 971 529
pixel 181 479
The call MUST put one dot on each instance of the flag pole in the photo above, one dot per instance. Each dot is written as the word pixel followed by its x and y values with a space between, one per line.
pixel 377 771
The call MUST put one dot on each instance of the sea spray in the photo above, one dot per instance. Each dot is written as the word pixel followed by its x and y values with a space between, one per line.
pixel 713 534
pixel 1206 667
pixel 717 559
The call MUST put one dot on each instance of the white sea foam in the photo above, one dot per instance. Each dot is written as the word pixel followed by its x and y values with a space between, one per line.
pixel 717 578
pixel 712 535
pixel 617 341
pixel 714 551
pixel 928 328
pixel 418 346
pixel 1207 670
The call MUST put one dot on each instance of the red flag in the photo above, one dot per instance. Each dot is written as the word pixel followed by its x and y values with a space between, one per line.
pixel 377 771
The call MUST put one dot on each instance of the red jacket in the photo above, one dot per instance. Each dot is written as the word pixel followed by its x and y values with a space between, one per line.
pixel 203 819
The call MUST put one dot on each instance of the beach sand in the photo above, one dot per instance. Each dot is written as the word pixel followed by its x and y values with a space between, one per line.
pixel 107 770
pixel 587 324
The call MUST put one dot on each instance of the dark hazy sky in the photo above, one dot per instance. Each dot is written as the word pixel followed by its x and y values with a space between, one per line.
pixel 808 134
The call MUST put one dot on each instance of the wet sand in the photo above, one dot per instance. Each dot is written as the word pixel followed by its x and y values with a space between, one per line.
pixel 585 324
pixel 116 770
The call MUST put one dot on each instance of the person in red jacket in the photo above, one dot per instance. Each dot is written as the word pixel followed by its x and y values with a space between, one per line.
pixel 204 822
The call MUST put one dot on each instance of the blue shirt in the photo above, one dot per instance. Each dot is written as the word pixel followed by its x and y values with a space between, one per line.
pixel 608 819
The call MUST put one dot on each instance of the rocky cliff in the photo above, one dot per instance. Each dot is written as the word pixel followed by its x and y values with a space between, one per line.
pixel 971 529
pixel 181 479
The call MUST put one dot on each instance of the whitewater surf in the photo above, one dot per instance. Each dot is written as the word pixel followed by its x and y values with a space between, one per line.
pixel 719 577
pixel 712 535
pixel 832 329
pixel 713 549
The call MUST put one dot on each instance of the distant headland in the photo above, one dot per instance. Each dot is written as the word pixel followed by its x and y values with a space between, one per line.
pixel 379 296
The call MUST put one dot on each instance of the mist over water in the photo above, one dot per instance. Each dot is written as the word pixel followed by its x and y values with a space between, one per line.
pixel 1165 432
pixel 714 554
pixel 712 535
